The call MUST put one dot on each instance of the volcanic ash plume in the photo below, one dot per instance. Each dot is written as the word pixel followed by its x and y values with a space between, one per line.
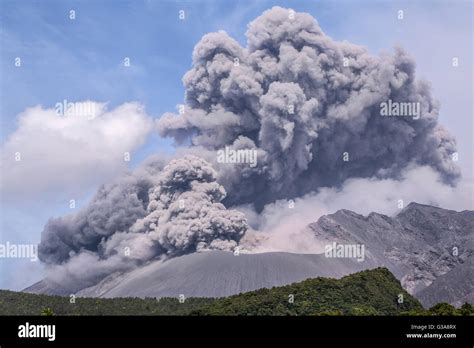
pixel 308 106
pixel 302 100
pixel 152 212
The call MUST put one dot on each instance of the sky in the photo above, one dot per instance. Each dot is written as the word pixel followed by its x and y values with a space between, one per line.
pixel 82 59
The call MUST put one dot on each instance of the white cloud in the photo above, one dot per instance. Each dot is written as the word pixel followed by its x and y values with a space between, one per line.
pixel 72 151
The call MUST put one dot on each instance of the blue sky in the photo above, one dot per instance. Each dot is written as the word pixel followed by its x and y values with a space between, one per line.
pixel 82 59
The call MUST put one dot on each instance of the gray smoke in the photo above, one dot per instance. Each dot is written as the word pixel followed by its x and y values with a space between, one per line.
pixel 242 95
pixel 296 97
pixel 155 211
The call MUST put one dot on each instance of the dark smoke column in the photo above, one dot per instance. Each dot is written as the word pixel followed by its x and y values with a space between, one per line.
pixel 303 100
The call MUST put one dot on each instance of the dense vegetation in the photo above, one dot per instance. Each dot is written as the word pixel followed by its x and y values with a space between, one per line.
pixel 373 292
pixel 20 303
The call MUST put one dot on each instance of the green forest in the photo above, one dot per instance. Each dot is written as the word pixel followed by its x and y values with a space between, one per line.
pixel 371 292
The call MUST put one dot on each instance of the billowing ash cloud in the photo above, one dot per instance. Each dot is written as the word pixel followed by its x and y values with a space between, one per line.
pixel 302 100
pixel 154 211
pixel 296 97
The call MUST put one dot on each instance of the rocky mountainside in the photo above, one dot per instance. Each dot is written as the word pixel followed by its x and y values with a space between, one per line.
pixel 455 287
pixel 419 245
pixel 429 249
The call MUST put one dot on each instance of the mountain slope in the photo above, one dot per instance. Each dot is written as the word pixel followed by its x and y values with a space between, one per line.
pixel 418 245
pixel 455 287
pixel 220 273
pixel 213 274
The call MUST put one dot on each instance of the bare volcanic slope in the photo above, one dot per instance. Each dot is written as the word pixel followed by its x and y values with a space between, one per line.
pixel 455 287
pixel 220 274
pixel 214 274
